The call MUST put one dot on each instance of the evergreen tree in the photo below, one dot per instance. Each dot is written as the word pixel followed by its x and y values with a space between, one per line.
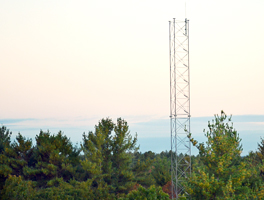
pixel 107 157
pixel 142 171
pixel 142 166
pixel 54 158
pixel 151 193
pixel 5 136
pixel 15 157
pixel 222 173
pixel 123 143
pixel 161 171
pixel 97 149
pixel 255 164
pixel 260 152
pixel 17 189
pixel 5 143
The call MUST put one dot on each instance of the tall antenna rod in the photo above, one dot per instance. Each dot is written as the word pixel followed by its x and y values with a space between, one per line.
pixel 179 105
pixel 185 10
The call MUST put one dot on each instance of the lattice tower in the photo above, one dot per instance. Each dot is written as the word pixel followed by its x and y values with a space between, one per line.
pixel 179 105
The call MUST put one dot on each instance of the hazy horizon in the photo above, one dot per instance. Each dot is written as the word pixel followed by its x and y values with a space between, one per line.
pixel 150 133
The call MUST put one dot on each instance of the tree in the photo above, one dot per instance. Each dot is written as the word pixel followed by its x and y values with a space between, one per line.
pixel 161 171
pixel 61 190
pixel 123 143
pixel 5 169
pixel 152 193
pixel 5 136
pixel 260 152
pixel 20 154
pixel 255 164
pixel 222 173
pixel 55 157
pixel 16 188
pixel 142 170
pixel 14 156
pixel 107 156
pixel 97 148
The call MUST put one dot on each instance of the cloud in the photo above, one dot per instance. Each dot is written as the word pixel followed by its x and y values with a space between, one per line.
pixel 14 121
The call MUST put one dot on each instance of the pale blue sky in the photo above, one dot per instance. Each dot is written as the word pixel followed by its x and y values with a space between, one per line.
pixel 72 60
pixel 153 135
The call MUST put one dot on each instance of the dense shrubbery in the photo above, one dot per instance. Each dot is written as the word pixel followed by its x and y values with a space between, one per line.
pixel 109 166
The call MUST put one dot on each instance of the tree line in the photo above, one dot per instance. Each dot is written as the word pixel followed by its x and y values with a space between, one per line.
pixel 108 165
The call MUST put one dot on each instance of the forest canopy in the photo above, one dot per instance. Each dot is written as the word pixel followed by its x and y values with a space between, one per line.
pixel 108 165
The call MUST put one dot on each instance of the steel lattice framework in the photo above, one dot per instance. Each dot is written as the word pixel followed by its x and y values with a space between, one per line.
pixel 179 105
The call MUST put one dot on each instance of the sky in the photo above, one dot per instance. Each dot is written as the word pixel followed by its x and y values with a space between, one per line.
pixel 152 135
pixel 71 62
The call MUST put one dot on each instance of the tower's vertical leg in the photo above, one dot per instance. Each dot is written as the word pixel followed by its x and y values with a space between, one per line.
pixel 179 105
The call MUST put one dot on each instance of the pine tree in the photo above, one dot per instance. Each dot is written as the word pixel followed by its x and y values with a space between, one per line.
pixel 151 193
pixel 143 165
pixel 222 173
pixel 107 157
pixel 5 136
pixel 260 152
pixel 53 158
pixel 15 156
pixel 161 171
pixel 16 188
pixel 123 143
pixel 97 148
pixel 5 144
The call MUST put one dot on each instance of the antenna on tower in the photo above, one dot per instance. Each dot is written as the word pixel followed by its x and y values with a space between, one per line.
pixel 185 10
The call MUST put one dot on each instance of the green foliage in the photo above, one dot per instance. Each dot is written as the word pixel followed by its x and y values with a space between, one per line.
pixel 260 152
pixel 107 156
pixel 5 142
pixel 222 172
pixel 15 157
pixel 111 166
pixel 152 193
pixel 17 189
pixel 54 169
pixel 59 189
pixel 5 136
pixel 254 163
pixel 142 169
pixel 123 143
pixel 161 171
pixel 54 158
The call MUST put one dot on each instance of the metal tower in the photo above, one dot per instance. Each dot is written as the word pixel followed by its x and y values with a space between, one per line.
pixel 179 105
